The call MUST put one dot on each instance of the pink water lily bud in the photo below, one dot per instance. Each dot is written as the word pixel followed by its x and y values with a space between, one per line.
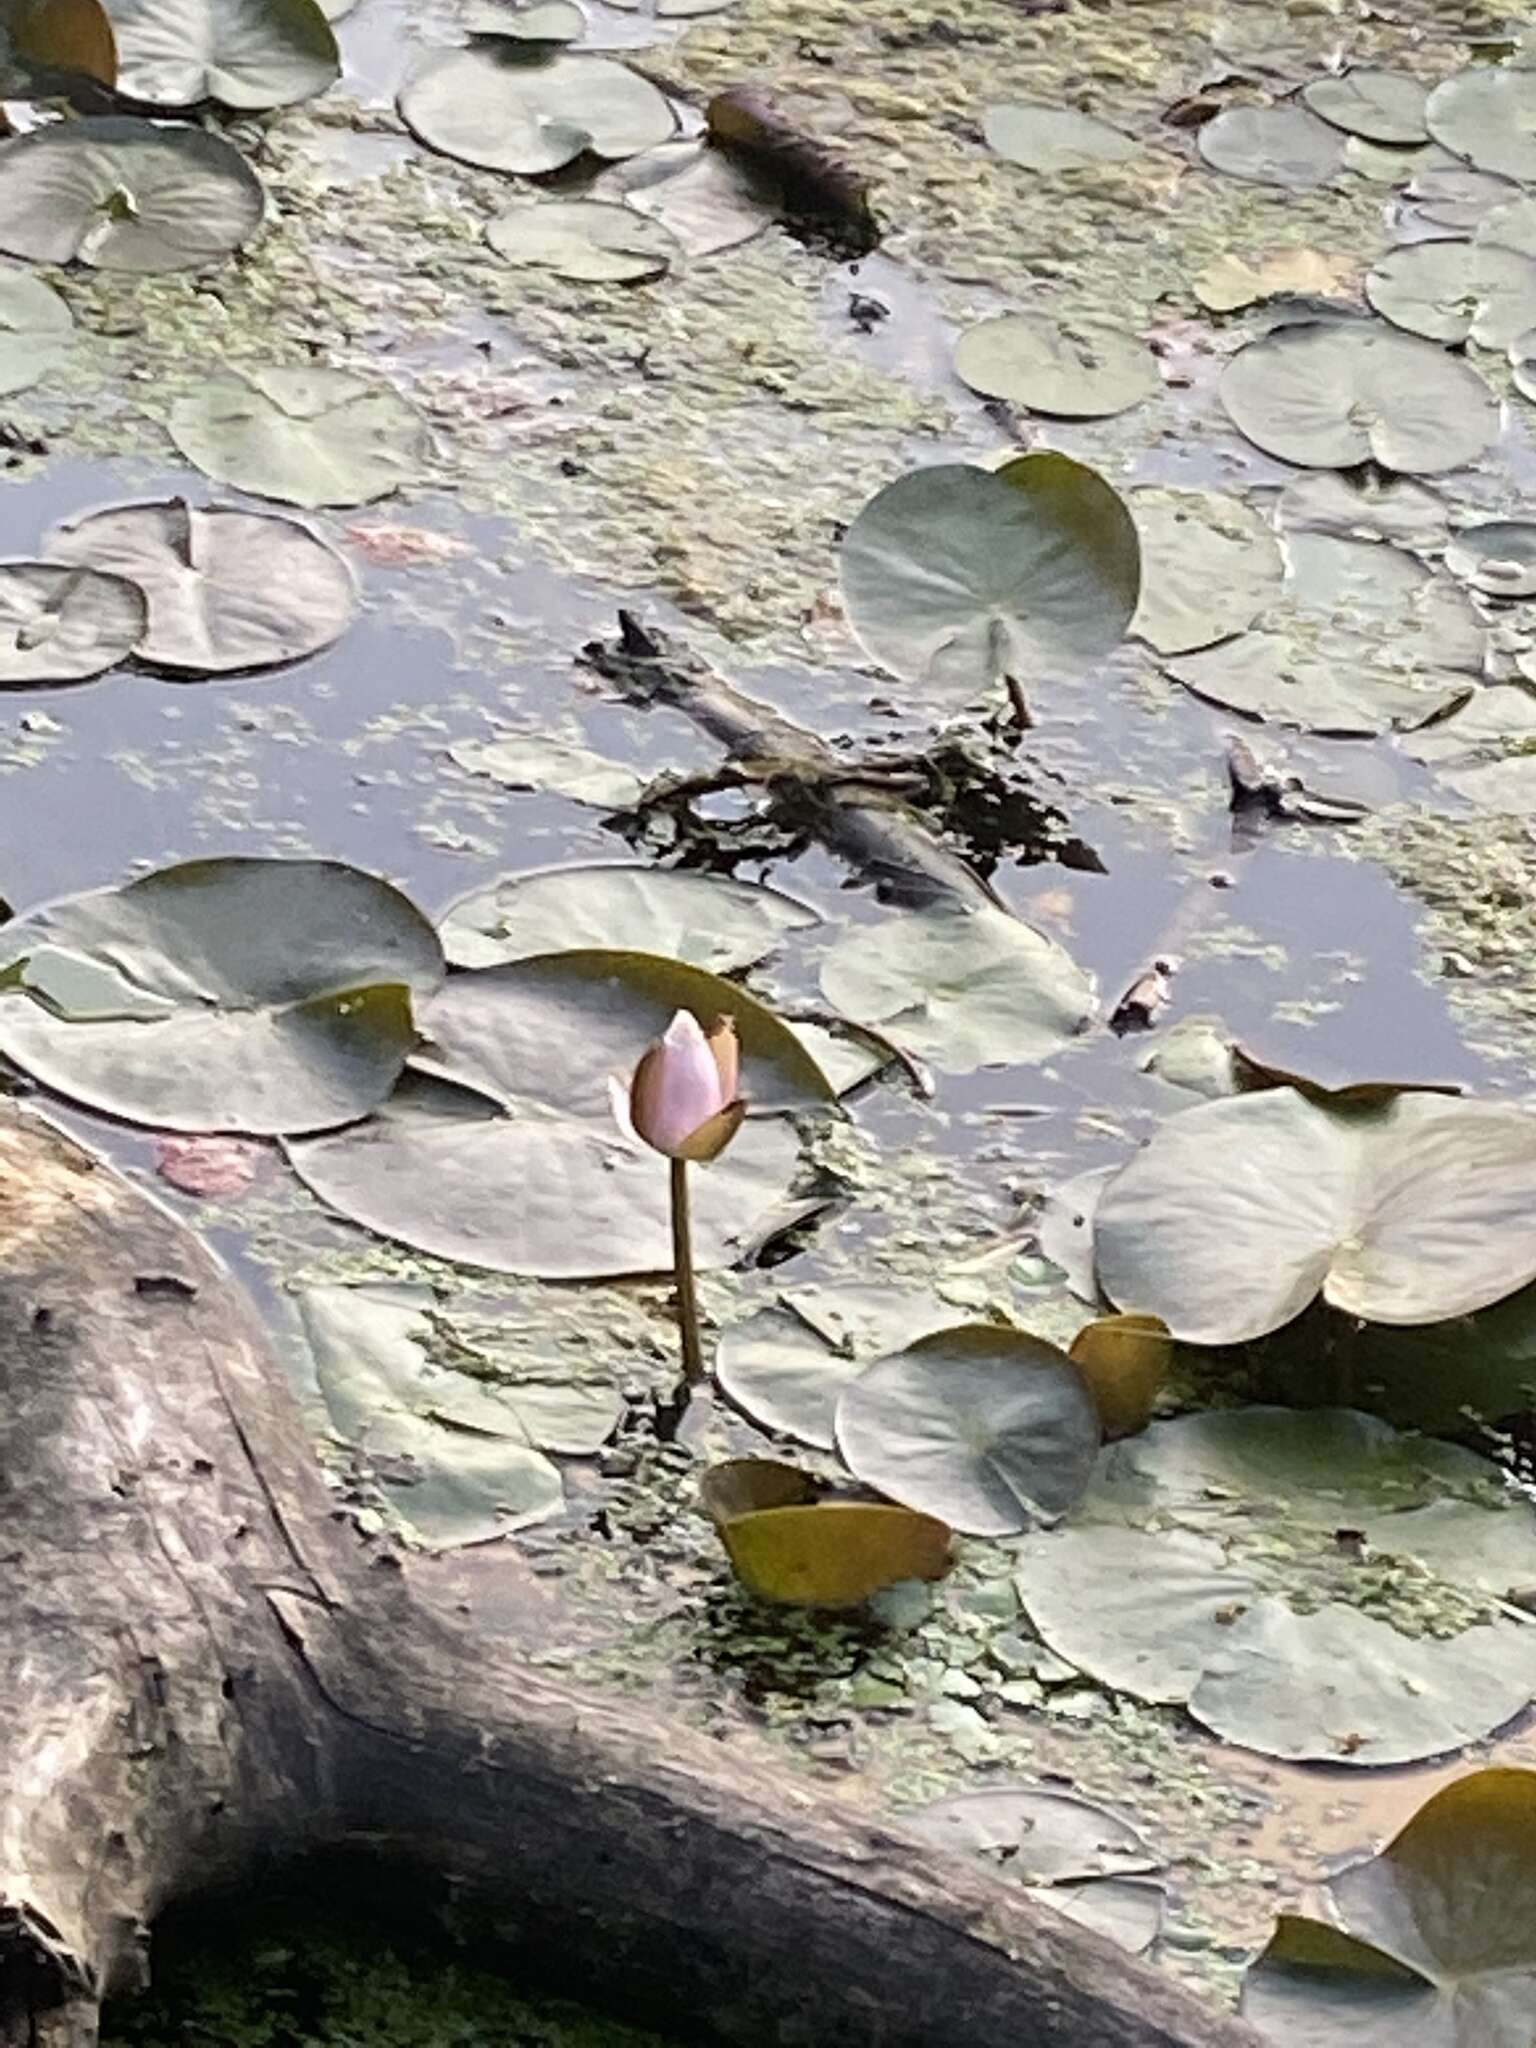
pixel 682 1100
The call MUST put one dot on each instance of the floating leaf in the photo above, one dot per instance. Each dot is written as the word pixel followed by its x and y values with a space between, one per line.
pixel 1209 565
pixel 1330 394
pixel 1456 291
pixel 1064 1230
pixel 963 988
pixel 501 106
pixel 36 328
pixel 705 920
pixel 1489 720
pixel 1230 282
pixel 955 577
pixel 124 194
pixel 1431 1943
pixel 1451 201
pixel 1497 557
pixel 1273 146
pixel 1510 226
pixel 786 1366
pixel 741 1486
pixel 502 1150
pixel 583 239
pixel 1239 1213
pixel 988 1428
pixel 1075 1857
pixel 701 195
pixel 249 54
pixel 246 995
pixel 308 436
pixel 1508 787
pixel 1383 106
pixel 1125 1361
pixel 69 36
pixel 545 21
pixel 834 1554
pixel 1364 639
pixel 60 625
pixel 1395 509
pixel 530 760
pixel 1081 369
pixel 1042 138
pixel 226 590
pixel 1488 115
pixel 452 1454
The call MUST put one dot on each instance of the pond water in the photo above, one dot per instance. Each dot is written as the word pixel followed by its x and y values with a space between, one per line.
pixel 692 450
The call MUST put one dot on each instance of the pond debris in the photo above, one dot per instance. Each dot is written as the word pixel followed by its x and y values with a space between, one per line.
pixel 819 185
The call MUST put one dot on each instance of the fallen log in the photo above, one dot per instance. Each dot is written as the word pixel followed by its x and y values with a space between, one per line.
pixel 206 1667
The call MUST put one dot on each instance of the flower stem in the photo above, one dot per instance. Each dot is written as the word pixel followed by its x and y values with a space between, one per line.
pixel 682 1274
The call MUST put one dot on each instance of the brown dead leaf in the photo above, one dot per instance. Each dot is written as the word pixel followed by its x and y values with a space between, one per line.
pixel 1232 282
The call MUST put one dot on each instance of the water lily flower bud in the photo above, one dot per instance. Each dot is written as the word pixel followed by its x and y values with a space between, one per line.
pixel 682 1100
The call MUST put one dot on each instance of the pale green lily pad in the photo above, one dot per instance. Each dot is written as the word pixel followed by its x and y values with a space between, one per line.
pixel 1456 291
pixel 1506 787
pixel 964 989
pixel 261 996
pixel 123 194
pixel 1331 394
pixel 957 577
pixel 703 197
pixel 1209 566
pixel 1488 115
pixel 1237 1214
pixel 530 760
pixel 59 625
pixel 1492 719
pixel 1429 1944
pixel 1510 226
pixel 1365 639
pixel 1387 163
pixel 544 21
pixel 502 1151
pixel 36 328
pixel 506 108
pixel 1083 369
pixel 1394 509
pixel 1452 200
pixel 227 590
pixel 786 1366
pixel 1043 138
pixel 1382 106
pixel 305 435
pixel 247 54
pixel 583 239
pixel 1068 1854
pixel 706 920
pixel 454 1459
pixel 988 1429
pixel 1283 146
pixel 1498 557
pixel 1064 1228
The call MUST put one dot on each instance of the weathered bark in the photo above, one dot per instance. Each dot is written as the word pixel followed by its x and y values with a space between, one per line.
pixel 204 1667
pixel 869 827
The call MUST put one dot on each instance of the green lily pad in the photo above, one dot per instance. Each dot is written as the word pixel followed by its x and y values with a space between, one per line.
pixel 502 105
pixel 786 1366
pixel 1068 1854
pixel 956 577
pixel 261 996
pixel 705 920
pixel 36 328
pixel 453 1456
pixel 226 590
pixel 531 760
pixel 1430 1943
pixel 1331 394
pixel 1209 566
pixel 1284 146
pixel 1451 200
pixel 128 195
pixel 1490 720
pixel 1238 1213
pixel 307 436
pixel 706 199
pixel 1487 114
pixel 1383 106
pixel 1364 639
pixel 1081 369
pixel 544 21
pixel 1497 557
pixel 1042 138
pixel 1456 291
pixel 1064 1229
pixel 1509 226
pixel 501 1150
pixel 583 239
pixel 988 1429
pixel 60 625
pixel 175 53
pixel 1394 163
pixel 964 989
pixel 1394 509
